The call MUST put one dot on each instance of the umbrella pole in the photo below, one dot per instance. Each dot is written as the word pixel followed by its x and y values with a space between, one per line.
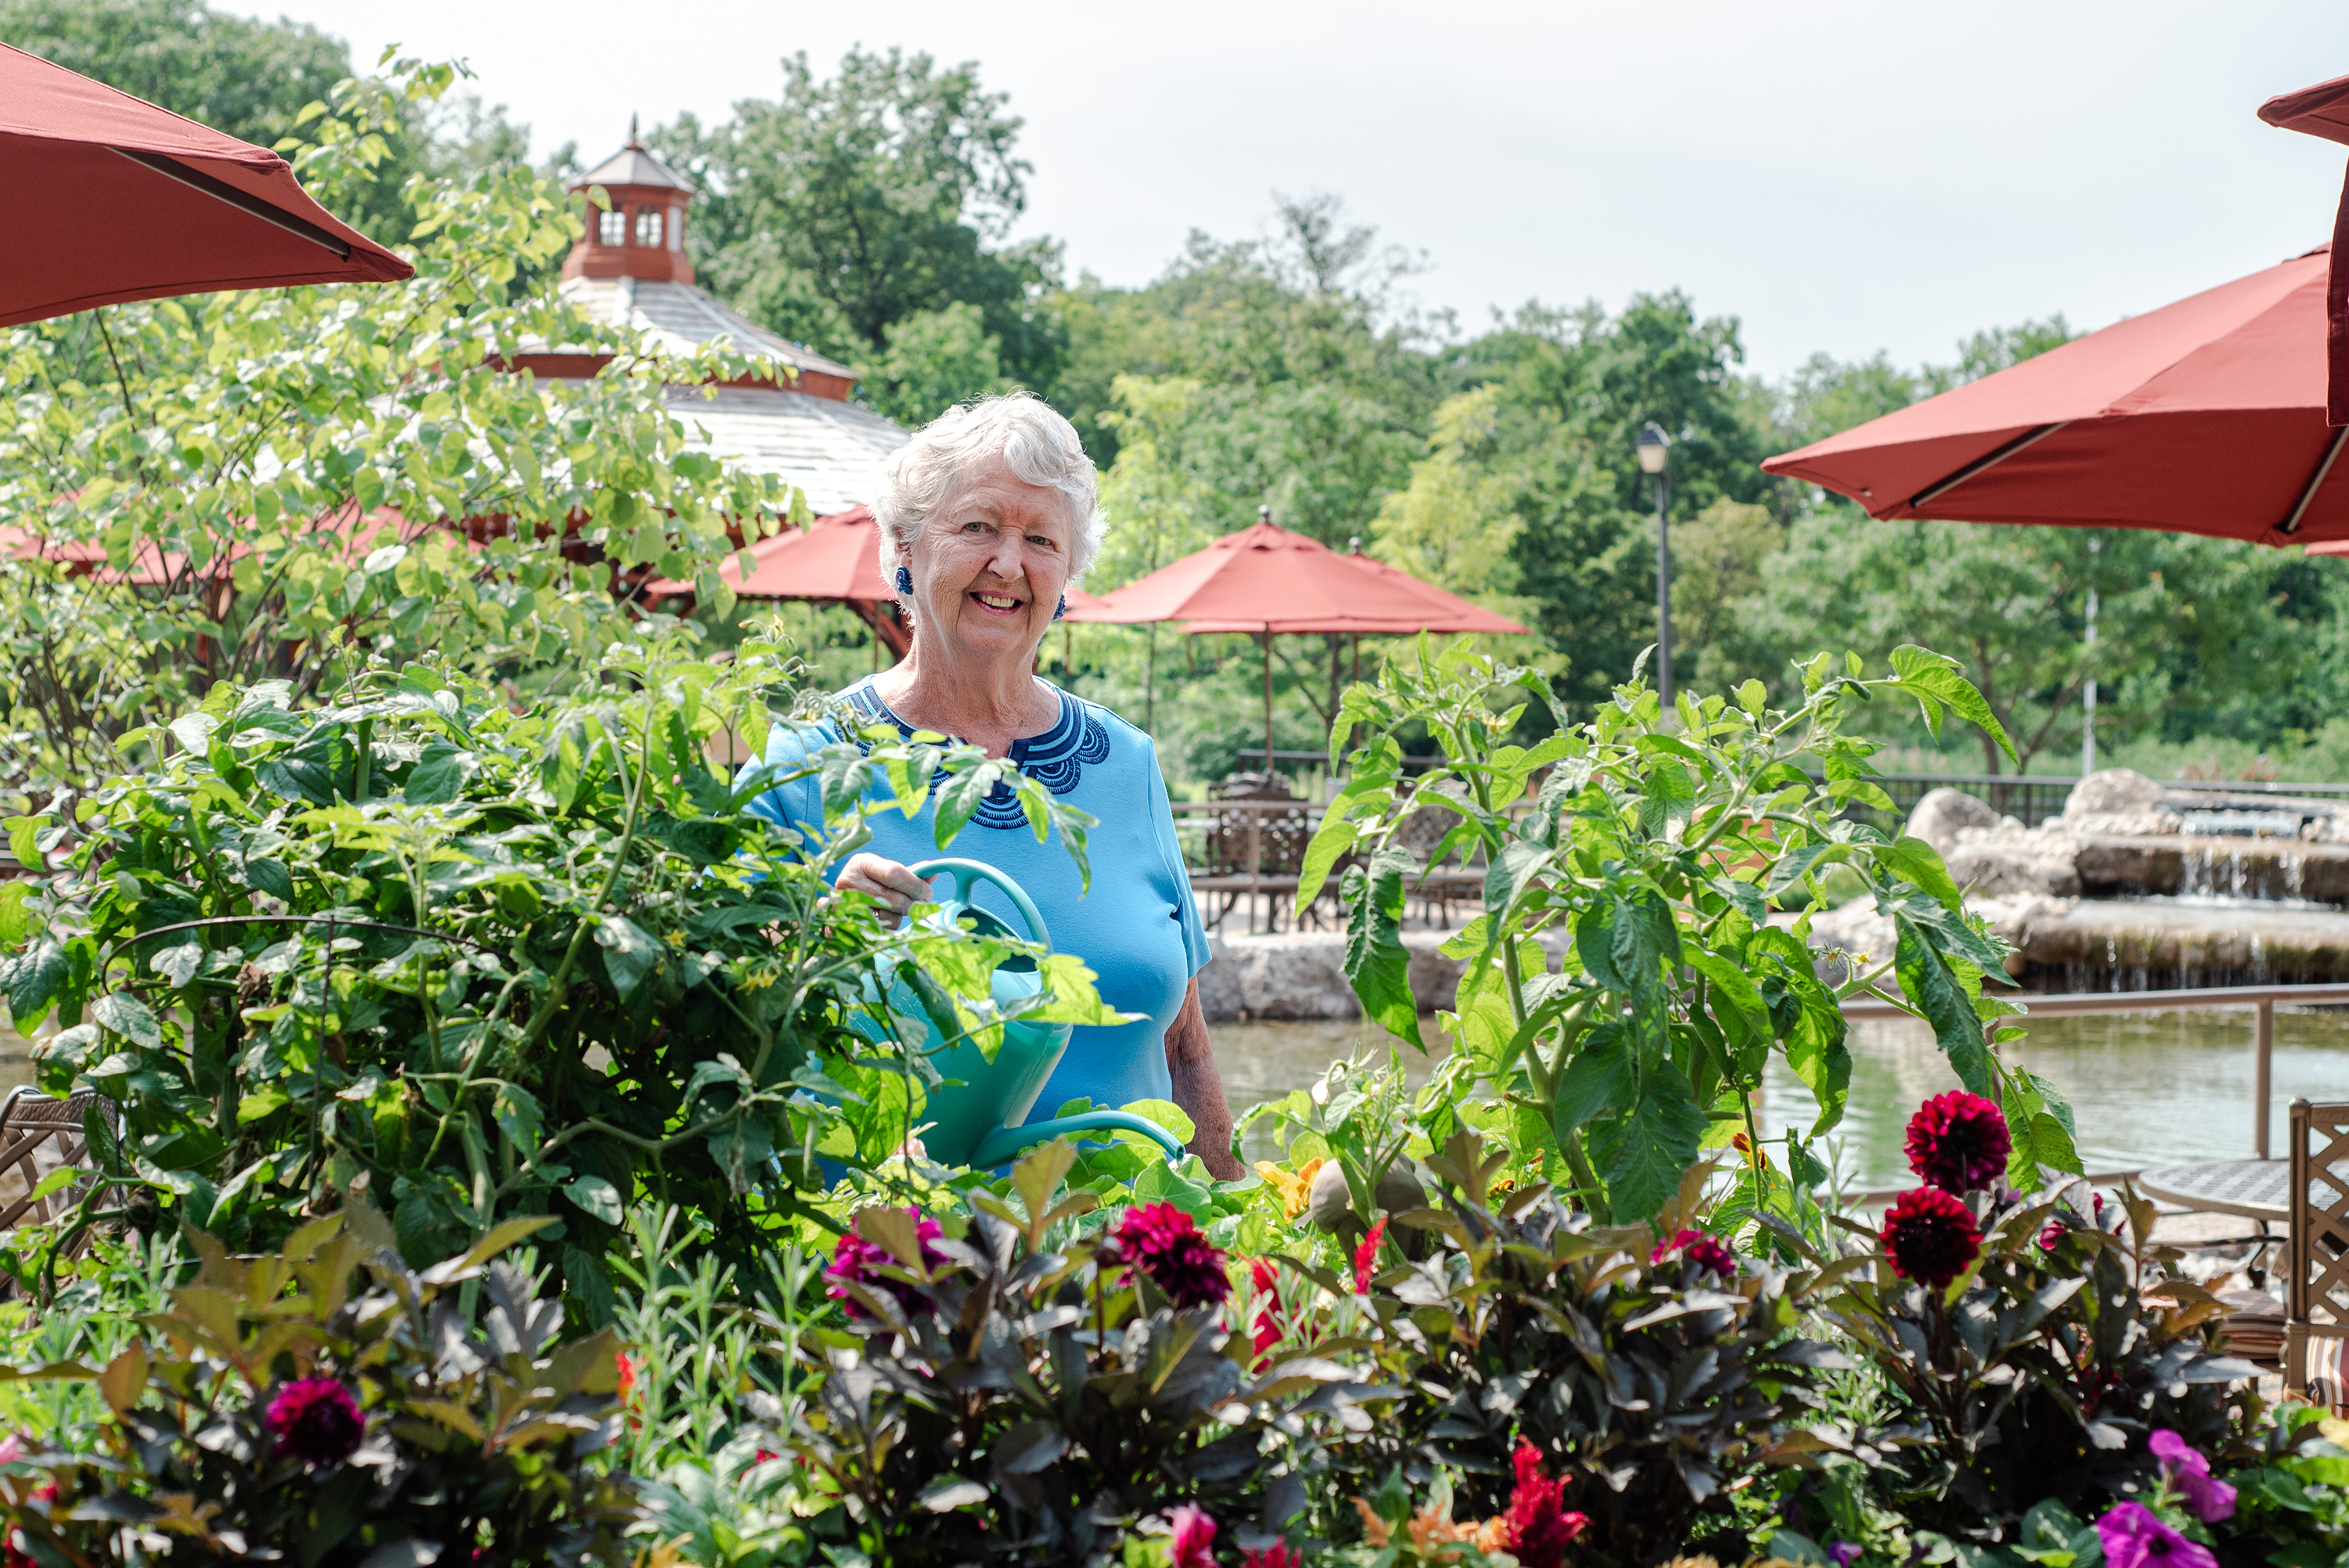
pixel 1267 702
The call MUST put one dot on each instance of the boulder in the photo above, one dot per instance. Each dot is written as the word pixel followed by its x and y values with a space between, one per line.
pixel 2010 860
pixel 2119 801
pixel 1939 815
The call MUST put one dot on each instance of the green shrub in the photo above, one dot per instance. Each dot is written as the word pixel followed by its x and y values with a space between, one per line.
pixel 329 1405
pixel 481 963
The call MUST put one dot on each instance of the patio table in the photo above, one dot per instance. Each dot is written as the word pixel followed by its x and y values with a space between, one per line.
pixel 2255 1189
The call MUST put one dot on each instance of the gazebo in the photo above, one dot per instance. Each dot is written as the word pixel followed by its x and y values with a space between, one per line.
pixel 630 269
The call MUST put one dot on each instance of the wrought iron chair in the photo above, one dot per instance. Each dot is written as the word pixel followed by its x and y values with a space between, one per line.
pixel 2316 1254
pixel 40 1135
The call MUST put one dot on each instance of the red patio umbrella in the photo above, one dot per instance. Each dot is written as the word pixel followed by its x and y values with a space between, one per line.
pixel 2207 415
pixel 2324 110
pixel 1267 582
pixel 112 199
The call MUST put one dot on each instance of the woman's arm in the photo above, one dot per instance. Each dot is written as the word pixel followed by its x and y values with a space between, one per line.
pixel 1199 1087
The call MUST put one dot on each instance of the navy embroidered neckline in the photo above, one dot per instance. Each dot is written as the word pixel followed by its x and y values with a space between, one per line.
pixel 1057 758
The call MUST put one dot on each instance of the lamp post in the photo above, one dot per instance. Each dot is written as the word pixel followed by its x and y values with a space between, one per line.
pixel 1654 450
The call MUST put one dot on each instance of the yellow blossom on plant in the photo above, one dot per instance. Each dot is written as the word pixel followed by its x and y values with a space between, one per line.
pixel 2336 1431
pixel 1295 1187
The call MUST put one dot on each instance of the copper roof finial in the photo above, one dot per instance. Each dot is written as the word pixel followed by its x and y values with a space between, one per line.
pixel 632 132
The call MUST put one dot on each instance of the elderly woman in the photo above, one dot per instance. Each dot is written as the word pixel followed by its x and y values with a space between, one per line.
pixel 988 516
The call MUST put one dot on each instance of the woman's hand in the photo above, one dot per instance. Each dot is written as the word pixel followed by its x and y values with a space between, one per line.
pixel 895 885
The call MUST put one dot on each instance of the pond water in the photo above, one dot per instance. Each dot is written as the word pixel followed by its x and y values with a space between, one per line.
pixel 2146 1089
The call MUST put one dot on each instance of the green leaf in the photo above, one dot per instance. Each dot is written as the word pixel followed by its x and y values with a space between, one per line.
pixel 1377 963
pixel 1931 676
pixel 129 1017
pixel 629 955
pixel 519 1115
pixel 1925 980
pixel 1625 940
pixel 596 1197
pixel 1601 1079
pixel 1510 874
pixel 16 921
pixel 1656 1148
pixel 1334 838
pixel 1918 861
pixel 34 978
pixel 439 776
pixel 1732 985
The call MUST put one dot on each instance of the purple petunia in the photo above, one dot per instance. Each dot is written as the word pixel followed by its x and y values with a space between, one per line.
pixel 2184 1469
pixel 1843 1554
pixel 2133 1538
pixel 315 1421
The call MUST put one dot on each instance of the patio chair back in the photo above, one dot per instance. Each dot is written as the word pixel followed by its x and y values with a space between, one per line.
pixel 38 1134
pixel 2316 1254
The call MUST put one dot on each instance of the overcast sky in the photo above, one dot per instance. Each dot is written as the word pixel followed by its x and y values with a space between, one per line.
pixel 1842 177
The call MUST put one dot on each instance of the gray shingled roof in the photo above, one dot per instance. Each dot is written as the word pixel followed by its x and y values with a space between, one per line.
pixel 832 450
pixel 632 165
pixel 686 319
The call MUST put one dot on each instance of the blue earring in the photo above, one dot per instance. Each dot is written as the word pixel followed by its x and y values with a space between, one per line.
pixel 1064 608
pixel 905 581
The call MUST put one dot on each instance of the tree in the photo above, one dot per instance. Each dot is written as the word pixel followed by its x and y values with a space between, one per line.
pixel 849 206
pixel 298 483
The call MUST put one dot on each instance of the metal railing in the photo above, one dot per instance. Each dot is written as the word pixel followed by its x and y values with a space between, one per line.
pixel 2261 999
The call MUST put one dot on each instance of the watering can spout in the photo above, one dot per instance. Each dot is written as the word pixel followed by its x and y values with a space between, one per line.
pixel 1006 1143
pixel 979 1117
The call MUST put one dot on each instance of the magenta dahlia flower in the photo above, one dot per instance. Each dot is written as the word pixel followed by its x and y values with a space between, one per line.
pixel 1958 1141
pixel 1194 1537
pixel 1705 1252
pixel 859 1262
pixel 1162 1242
pixel 2183 1466
pixel 315 1421
pixel 2133 1538
pixel 1930 1236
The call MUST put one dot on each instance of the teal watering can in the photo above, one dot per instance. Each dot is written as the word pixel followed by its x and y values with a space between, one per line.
pixel 981 1114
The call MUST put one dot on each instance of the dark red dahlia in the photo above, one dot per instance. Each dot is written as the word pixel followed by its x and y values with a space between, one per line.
pixel 1164 1242
pixel 1540 1529
pixel 315 1421
pixel 1958 1141
pixel 1931 1237
pixel 858 1261
pixel 1705 1252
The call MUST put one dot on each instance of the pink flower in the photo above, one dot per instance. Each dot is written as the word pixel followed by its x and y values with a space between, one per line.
pixel 1194 1535
pixel 1931 1237
pixel 1958 1141
pixel 1162 1242
pixel 1266 1327
pixel 858 1261
pixel 315 1421
pixel 1700 1249
pixel 12 1447
pixel 2133 1538
pixel 1366 1256
pixel 1276 1556
pixel 2185 1467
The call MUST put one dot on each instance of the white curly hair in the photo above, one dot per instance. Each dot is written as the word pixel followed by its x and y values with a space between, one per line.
pixel 1035 443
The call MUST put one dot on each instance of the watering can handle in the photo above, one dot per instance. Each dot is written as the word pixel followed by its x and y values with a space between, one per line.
pixel 966 872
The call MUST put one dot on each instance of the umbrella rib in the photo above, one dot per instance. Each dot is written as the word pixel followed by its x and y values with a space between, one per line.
pixel 1934 492
pixel 221 191
pixel 2315 482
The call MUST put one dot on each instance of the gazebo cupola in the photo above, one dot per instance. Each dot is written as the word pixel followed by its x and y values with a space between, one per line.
pixel 643 233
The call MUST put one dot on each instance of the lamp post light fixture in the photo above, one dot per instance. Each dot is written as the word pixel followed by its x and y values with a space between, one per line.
pixel 1654 448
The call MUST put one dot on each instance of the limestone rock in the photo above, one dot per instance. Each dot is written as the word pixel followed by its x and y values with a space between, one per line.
pixel 2009 859
pixel 1939 815
pixel 2119 801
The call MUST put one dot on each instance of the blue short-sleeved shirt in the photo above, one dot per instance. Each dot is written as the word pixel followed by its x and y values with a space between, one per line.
pixel 1137 929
